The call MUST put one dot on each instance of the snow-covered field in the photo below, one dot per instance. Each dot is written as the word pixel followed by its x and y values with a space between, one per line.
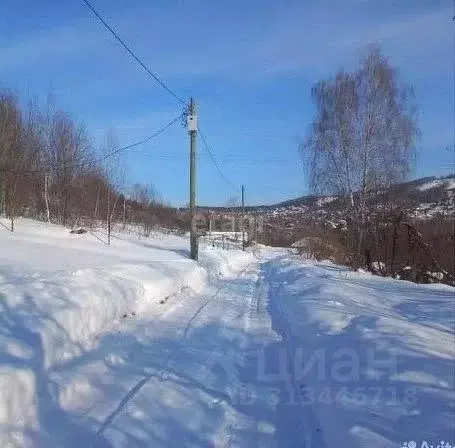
pixel 135 345
pixel 448 184
pixel 373 358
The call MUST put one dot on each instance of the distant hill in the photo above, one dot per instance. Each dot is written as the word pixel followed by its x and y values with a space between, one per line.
pixel 425 197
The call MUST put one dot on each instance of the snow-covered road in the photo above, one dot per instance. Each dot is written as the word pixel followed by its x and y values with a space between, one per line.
pixel 188 377
pixel 189 390
pixel 208 371
pixel 137 346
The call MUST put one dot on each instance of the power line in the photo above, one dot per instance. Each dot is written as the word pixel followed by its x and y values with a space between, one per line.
pixel 102 158
pixel 140 142
pixel 226 160
pixel 132 54
pixel 215 163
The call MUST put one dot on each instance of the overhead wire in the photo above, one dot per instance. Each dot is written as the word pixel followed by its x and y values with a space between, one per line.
pixel 140 142
pixel 103 157
pixel 132 53
pixel 215 163
pixel 226 160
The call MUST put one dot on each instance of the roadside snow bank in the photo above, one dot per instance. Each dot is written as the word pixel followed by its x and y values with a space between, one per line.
pixel 98 287
pixel 373 357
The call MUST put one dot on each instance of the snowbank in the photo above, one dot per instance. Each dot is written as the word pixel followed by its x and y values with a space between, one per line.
pixel 373 357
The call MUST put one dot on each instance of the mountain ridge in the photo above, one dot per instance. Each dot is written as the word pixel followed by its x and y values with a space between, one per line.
pixel 424 190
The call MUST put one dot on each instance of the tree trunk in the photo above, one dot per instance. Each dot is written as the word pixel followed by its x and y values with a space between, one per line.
pixel 108 219
pixel 46 198
pixel 124 212
pixel 396 223
pixel 95 213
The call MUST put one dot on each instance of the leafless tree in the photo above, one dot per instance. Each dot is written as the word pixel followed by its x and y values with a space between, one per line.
pixel 66 155
pixel 233 202
pixel 363 136
pixel 11 152
pixel 114 173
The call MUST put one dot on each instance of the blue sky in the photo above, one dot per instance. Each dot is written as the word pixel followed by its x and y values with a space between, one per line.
pixel 250 66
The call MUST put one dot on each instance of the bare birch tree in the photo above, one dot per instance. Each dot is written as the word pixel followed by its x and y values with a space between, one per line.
pixel 363 135
pixel 114 173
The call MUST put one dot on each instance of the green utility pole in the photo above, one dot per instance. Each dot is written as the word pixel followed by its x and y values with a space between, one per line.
pixel 192 129
pixel 243 217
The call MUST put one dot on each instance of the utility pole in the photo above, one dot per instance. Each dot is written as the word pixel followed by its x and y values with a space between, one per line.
pixel 243 217
pixel 192 129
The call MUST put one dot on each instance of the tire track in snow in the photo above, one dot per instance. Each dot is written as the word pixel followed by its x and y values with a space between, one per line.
pixel 253 429
pixel 312 437
pixel 160 374
pixel 228 433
